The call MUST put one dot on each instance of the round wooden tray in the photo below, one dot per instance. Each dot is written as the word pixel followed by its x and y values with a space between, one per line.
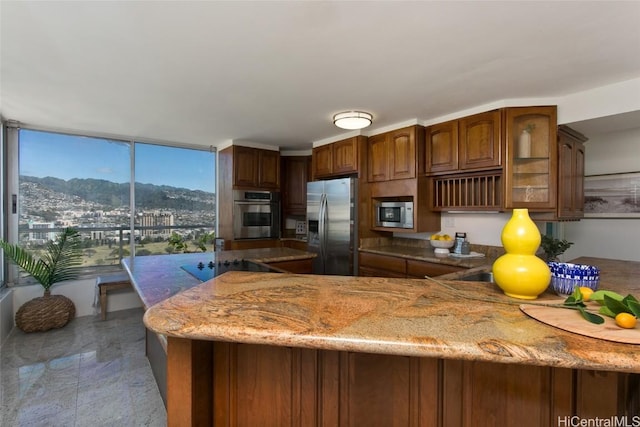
pixel 572 321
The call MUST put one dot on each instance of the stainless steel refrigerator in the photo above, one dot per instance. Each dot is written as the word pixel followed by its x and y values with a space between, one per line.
pixel 332 225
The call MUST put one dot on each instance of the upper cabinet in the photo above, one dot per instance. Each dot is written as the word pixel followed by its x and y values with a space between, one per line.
pixel 393 155
pixel 531 169
pixel 336 159
pixel 255 168
pixel 470 143
pixel 295 175
pixel 570 174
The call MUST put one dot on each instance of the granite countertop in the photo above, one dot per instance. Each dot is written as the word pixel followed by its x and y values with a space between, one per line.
pixel 158 277
pixel 408 317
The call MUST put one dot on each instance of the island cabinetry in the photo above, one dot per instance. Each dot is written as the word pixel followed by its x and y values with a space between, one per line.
pixel 532 155
pixel 295 175
pixel 376 265
pixel 337 159
pixel 256 168
pixel 393 155
pixel 231 384
pixel 469 143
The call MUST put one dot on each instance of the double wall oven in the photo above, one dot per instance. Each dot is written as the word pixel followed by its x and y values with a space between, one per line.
pixel 256 214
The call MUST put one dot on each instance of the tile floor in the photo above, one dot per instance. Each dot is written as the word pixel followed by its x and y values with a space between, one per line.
pixel 89 373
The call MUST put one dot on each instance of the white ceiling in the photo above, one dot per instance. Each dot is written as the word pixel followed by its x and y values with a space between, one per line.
pixel 275 72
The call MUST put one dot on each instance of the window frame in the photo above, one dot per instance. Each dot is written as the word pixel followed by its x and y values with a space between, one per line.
pixel 11 181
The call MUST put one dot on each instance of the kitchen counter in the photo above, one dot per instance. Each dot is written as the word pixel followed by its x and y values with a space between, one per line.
pixel 388 316
pixel 158 277
pixel 289 349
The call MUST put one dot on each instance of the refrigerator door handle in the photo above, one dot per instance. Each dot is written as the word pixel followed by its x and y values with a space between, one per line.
pixel 323 228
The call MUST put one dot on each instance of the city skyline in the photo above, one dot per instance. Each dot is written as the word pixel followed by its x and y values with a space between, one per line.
pixel 108 159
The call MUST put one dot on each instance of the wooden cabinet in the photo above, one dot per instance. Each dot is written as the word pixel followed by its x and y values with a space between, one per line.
pixel 223 383
pixel 420 269
pixel 470 143
pixel 302 266
pixel 532 155
pixel 255 168
pixel 570 174
pixel 376 265
pixel 337 159
pixel 295 175
pixel 392 155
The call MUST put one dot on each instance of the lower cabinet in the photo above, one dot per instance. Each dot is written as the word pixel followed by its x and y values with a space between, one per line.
pixel 302 266
pixel 376 265
pixel 219 383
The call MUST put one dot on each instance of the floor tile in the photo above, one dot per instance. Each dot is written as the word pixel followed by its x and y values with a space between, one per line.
pixel 89 373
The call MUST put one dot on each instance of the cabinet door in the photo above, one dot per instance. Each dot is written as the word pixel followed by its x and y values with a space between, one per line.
pixel 268 169
pixel 378 158
pixel 322 161
pixel 402 154
pixel 479 141
pixel 419 269
pixel 570 174
pixel 345 156
pixel 294 187
pixel 442 147
pixel 532 156
pixel 375 265
pixel 245 166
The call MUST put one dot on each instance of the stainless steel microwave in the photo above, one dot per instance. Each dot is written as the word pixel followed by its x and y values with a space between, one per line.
pixel 394 214
pixel 256 215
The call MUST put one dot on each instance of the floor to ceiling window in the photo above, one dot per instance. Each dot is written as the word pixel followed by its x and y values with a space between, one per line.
pixel 85 182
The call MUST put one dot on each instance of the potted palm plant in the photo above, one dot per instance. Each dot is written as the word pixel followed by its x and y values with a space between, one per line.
pixel 57 264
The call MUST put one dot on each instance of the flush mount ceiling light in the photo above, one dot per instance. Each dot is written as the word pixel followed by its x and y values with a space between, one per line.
pixel 352 120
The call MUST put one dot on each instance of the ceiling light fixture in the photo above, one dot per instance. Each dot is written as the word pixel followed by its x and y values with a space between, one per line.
pixel 352 120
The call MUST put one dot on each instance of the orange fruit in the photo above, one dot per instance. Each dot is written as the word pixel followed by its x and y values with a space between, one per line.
pixel 626 320
pixel 586 293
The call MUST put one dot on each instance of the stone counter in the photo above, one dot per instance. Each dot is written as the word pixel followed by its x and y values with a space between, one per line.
pixel 387 316
pixel 158 277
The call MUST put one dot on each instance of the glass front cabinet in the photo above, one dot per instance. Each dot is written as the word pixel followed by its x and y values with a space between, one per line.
pixel 532 158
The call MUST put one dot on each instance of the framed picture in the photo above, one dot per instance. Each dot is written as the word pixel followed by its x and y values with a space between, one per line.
pixel 614 195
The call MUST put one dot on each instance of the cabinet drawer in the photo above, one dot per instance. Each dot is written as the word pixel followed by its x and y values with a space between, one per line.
pixel 374 272
pixel 419 269
pixel 383 262
pixel 303 266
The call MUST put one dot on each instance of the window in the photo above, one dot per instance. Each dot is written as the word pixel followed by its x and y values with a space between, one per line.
pixel 86 183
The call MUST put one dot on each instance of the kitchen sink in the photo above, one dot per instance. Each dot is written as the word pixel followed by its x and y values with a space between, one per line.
pixel 483 276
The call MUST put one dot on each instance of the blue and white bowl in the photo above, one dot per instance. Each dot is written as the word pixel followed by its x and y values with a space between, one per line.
pixel 565 277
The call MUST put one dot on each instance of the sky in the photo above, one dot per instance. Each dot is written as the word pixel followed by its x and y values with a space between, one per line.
pixel 62 156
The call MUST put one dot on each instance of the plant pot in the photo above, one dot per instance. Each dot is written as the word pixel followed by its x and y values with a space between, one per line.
pixel 44 313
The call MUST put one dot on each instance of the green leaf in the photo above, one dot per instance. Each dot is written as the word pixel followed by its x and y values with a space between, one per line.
pixel 629 298
pixel 605 310
pixel 634 306
pixel 615 306
pixel 598 296
pixel 593 318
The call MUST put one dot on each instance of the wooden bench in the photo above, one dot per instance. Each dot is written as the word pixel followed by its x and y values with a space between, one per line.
pixel 110 283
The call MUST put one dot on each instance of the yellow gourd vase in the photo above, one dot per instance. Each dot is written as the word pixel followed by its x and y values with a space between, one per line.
pixel 520 273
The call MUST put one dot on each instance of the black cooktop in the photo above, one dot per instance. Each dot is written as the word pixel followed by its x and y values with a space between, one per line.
pixel 206 271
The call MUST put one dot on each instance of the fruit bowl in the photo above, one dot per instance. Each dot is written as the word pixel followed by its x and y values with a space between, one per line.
pixel 441 245
pixel 566 276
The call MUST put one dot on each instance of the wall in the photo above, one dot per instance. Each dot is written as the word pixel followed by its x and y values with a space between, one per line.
pixel 82 293
pixel 616 152
pixel 6 313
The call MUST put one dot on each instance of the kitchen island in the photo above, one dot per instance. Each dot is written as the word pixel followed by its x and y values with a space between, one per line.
pixel 287 349
pixel 158 277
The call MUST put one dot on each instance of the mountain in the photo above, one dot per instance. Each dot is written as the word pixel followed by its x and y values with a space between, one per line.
pixel 113 195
